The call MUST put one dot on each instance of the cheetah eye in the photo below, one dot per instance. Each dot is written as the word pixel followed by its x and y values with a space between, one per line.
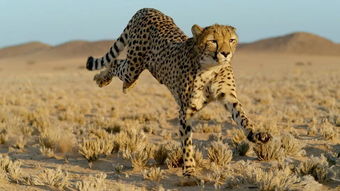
pixel 212 42
pixel 232 40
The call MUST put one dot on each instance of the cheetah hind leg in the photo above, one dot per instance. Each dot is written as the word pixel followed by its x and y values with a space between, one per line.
pixel 103 78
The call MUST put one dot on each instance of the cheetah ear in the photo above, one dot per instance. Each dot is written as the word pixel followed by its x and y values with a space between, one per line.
pixel 233 28
pixel 196 30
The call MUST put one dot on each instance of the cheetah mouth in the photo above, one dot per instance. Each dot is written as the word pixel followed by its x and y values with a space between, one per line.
pixel 212 61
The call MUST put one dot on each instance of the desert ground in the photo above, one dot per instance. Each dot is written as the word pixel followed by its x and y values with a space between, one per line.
pixel 59 131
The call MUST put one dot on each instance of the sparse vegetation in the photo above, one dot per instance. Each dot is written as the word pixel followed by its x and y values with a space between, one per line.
pixel 219 153
pixel 317 167
pixel 10 169
pixel 133 137
pixel 175 158
pixel 291 146
pixel 92 183
pixel 242 148
pixel 154 174
pixel 160 154
pixel 53 178
pixel 274 179
pixel 272 150
pixel 139 159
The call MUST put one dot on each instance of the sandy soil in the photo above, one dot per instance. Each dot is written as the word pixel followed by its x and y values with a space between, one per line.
pixel 283 93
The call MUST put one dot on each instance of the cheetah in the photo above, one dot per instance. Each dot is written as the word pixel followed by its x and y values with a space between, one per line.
pixel 196 70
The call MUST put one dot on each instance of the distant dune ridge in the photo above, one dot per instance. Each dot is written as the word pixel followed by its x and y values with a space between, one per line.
pixel 37 50
pixel 295 43
pixel 23 49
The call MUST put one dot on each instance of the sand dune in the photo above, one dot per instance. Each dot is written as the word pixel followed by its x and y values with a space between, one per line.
pixel 75 49
pixel 23 49
pixel 40 51
pixel 296 43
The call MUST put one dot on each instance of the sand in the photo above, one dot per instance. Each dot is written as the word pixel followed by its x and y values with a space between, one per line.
pixel 281 92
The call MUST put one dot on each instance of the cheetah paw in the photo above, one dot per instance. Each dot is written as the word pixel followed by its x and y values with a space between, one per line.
pixel 189 172
pixel 101 80
pixel 259 137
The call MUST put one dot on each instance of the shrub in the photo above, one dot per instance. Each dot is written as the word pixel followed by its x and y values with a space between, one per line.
pixel 52 178
pixel 175 158
pixel 317 167
pixel 219 153
pixel 242 148
pixel 272 150
pixel 154 174
pixel 291 146
pixel 160 154
pixel 139 159
pixel 9 169
pixel 128 142
pixel 93 147
pixel 92 183
pixel 238 136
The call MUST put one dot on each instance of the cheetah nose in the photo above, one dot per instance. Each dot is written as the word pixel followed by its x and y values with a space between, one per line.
pixel 225 54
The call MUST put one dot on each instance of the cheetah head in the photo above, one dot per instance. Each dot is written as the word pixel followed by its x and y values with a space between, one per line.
pixel 216 43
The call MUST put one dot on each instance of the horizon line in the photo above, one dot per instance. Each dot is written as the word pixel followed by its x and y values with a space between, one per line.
pixel 73 40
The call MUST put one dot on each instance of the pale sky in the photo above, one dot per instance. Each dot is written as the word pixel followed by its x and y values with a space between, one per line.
pixel 58 21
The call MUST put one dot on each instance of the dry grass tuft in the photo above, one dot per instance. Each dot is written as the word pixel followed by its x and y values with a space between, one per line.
pixel 3 136
pixel 292 146
pixel 98 143
pixel 93 147
pixel 219 153
pixel 218 176
pixel 39 119
pixel 57 179
pixel 275 179
pixel 92 183
pixel 327 131
pixel 160 154
pixel 55 140
pixel 154 174
pixel 272 150
pixel 312 130
pixel 238 136
pixel 317 167
pixel 240 142
pixel 128 142
pixel 243 148
pixel 48 152
pixel 175 158
pixel 139 159
pixel 20 143
pixel 9 169
pixel 278 179
pixel 199 160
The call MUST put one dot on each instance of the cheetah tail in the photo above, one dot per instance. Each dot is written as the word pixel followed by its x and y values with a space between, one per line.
pixel 112 54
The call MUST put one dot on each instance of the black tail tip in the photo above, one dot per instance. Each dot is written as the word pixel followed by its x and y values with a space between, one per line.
pixel 89 63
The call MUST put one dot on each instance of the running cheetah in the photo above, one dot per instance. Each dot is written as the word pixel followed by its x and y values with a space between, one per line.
pixel 196 70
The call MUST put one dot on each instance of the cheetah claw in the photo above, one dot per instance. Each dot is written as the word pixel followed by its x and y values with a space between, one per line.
pixel 189 172
pixel 260 137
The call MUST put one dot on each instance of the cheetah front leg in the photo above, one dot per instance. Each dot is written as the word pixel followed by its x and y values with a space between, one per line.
pixel 232 104
pixel 185 131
